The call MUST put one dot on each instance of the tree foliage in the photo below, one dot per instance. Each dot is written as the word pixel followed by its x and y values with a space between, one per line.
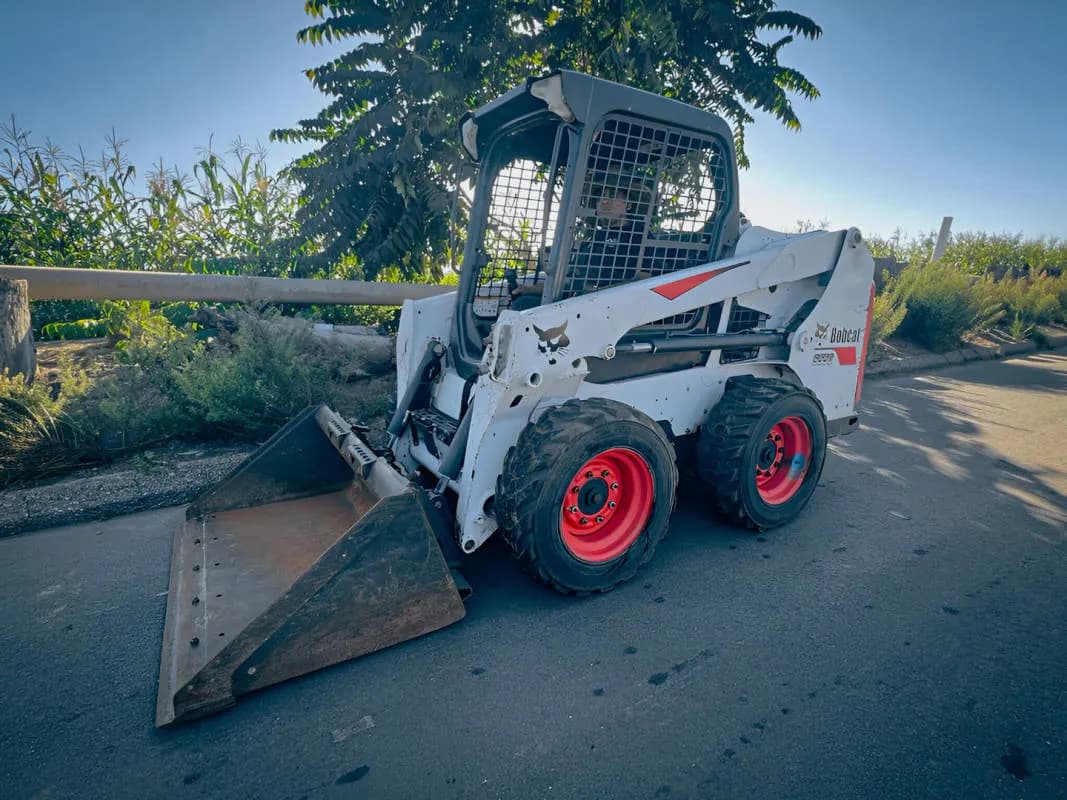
pixel 377 187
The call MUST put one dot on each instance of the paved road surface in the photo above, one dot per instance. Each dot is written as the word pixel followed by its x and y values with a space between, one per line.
pixel 906 638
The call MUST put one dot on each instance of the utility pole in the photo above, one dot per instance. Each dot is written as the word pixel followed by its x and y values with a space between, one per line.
pixel 942 239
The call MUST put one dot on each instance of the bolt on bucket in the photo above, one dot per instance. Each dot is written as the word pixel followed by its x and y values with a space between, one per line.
pixel 311 552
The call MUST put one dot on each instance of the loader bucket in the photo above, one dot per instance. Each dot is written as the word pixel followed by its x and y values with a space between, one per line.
pixel 311 552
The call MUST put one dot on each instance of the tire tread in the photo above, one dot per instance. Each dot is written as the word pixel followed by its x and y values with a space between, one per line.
pixel 529 463
pixel 728 429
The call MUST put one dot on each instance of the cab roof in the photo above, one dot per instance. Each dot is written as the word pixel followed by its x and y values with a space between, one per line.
pixel 581 98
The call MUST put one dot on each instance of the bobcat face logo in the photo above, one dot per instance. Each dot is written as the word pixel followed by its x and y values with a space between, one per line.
pixel 821 330
pixel 552 341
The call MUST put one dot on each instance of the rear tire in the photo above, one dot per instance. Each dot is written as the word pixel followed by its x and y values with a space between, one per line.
pixel 595 460
pixel 761 451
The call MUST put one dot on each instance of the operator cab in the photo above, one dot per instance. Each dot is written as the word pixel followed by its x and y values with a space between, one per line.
pixel 583 184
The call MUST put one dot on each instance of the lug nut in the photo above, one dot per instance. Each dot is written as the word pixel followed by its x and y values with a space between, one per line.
pixel 604 474
pixel 611 504
pixel 583 521
pixel 614 486
pixel 589 474
pixel 573 509
pixel 599 518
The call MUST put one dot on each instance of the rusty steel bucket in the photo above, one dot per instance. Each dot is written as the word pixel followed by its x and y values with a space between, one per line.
pixel 311 552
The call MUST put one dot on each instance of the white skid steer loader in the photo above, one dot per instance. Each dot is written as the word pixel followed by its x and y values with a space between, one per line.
pixel 615 315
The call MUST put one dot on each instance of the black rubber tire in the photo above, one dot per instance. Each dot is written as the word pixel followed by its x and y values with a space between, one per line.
pixel 538 469
pixel 730 439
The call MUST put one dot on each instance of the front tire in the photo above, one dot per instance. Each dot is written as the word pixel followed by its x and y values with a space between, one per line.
pixel 761 451
pixel 586 494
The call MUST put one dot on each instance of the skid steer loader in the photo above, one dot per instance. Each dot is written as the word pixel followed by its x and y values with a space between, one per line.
pixel 615 316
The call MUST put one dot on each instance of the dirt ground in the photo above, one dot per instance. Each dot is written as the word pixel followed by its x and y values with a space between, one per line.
pixel 94 356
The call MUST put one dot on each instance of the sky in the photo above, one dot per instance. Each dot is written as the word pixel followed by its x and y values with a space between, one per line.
pixel 929 108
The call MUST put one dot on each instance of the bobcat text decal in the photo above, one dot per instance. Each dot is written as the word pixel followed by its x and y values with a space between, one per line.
pixel 827 335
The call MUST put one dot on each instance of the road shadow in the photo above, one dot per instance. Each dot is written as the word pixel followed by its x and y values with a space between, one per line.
pixel 940 425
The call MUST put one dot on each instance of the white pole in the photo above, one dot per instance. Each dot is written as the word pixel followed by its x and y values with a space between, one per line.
pixel 942 239
pixel 62 283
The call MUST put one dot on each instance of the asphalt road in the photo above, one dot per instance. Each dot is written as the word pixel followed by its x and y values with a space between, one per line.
pixel 904 639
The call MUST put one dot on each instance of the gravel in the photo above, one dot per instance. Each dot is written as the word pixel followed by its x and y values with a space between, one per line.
pixel 167 476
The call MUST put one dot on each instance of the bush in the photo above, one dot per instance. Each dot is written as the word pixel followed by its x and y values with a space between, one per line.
pixel 942 304
pixel 269 372
pixel 1035 300
pixel 168 385
pixel 45 312
pixel 889 310
pixel 80 329
pixel 37 435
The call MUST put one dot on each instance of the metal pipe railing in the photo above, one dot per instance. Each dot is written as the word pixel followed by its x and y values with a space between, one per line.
pixel 64 283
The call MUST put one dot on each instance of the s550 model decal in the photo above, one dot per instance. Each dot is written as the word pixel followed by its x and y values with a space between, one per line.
pixel 844 356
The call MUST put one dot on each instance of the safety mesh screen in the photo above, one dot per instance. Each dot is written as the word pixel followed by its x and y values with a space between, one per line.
pixel 518 227
pixel 650 204
pixel 742 319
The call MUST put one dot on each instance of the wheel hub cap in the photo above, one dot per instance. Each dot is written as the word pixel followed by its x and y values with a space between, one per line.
pixel 607 504
pixel 782 460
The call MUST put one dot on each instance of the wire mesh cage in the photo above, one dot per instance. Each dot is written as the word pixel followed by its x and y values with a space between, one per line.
pixel 650 204
pixel 522 217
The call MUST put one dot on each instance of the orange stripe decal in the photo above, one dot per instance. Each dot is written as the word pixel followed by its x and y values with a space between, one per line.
pixel 846 356
pixel 675 289
pixel 866 345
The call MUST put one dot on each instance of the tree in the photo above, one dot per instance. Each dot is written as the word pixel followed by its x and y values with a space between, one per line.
pixel 377 186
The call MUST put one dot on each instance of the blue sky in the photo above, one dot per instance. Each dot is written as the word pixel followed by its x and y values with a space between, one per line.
pixel 928 108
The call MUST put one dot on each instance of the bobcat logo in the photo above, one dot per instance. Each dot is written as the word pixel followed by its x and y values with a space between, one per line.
pixel 552 341
pixel 821 330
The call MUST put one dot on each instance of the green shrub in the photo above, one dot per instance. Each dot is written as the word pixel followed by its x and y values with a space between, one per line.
pixel 1019 329
pixel 45 312
pixel 889 310
pixel 1035 299
pixel 37 435
pixel 942 304
pixel 80 329
pixel 270 371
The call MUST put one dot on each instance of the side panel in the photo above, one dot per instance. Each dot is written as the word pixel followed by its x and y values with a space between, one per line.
pixel 829 349
pixel 681 399
pixel 420 321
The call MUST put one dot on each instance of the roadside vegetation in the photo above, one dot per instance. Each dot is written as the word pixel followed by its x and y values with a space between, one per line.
pixel 157 382
pixel 983 284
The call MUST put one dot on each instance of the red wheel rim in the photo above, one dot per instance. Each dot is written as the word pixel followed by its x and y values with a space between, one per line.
pixel 782 460
pixel 607 505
